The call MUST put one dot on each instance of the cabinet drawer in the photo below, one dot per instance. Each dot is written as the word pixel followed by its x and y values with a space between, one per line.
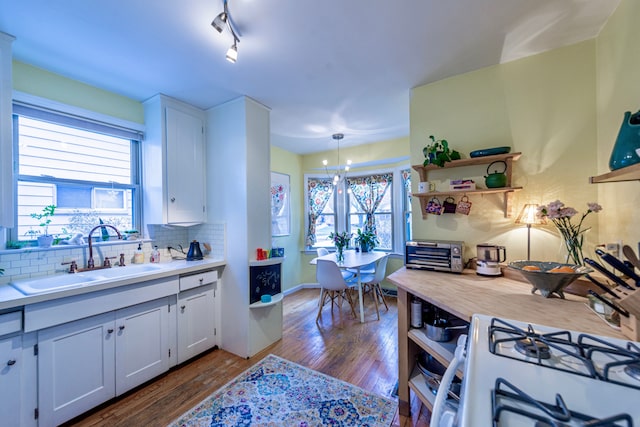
pixel 198 279
pixel 10 322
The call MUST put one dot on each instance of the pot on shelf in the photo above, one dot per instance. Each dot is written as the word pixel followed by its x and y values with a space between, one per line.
pixel 496 179
pixel 440 330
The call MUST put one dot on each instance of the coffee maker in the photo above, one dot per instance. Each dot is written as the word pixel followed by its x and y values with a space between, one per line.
pixel 489 259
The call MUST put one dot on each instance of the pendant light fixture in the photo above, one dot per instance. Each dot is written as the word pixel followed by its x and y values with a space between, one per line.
pixel 219 23
pixel 340 174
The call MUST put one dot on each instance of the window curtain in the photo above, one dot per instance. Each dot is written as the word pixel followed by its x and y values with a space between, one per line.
pixel 319 192
pixel 368 191
pixel 406 182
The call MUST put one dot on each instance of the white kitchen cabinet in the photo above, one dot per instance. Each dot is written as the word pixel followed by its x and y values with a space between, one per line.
pixel 142 343
pixel 89 361
pixel 196 315
pixel 10 379
pixel 76 367
pixel 173 162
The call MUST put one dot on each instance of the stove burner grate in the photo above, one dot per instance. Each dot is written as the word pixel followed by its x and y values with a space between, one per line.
pixel 533 347
pixel 633 370
pixel 542 347
pixel 507 399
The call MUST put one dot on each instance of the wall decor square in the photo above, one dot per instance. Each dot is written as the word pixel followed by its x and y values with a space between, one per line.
pixel 280 205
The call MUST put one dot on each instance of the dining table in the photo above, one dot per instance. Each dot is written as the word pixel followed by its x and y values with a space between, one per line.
pixel 354 260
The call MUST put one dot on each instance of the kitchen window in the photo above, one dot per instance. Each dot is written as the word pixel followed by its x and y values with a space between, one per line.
pixel 354 202
pixel 89 170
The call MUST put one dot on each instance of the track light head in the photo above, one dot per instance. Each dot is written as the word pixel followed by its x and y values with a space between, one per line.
pixel 232 53
pixel 219 22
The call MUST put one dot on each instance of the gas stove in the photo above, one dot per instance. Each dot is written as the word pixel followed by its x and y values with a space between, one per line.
pixel 519 374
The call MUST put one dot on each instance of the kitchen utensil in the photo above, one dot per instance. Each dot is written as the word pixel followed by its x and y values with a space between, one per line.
pixel 546 281
pixel 449 205
pixel 602 286
pixel 434 206
pixel 490 151
pixel 496 179
pixel 194 253
pixel 432 372
pixel 619 265
pixel 489 258
pixel 607 273
pixel 464 206
pixel 440 330
pixel 631 256
pixel 620 310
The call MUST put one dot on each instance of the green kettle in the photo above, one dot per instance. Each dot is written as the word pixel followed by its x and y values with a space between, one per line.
pixel 496 179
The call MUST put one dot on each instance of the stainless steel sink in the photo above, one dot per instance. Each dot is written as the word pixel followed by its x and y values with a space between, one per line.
pixel 77 280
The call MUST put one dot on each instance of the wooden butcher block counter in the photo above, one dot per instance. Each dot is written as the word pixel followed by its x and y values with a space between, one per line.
pixel 464 295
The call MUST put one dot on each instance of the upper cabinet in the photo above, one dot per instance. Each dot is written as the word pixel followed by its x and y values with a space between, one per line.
pixel 173 154
pixel 507 191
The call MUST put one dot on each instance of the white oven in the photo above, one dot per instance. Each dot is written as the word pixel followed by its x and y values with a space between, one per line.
pixel 519 374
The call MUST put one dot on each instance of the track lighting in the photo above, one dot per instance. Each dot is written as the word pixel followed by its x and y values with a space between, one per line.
pixel 224 19
pixel 232 53
pixel 219 22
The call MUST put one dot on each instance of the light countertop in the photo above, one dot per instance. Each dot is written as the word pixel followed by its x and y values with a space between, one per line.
pixel 466 294
pixel 11 297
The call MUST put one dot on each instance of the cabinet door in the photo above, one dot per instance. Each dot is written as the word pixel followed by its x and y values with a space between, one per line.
pixel 185 167
pixel 142 343
pixel 10 369
pixel 196 321
pixel 75 367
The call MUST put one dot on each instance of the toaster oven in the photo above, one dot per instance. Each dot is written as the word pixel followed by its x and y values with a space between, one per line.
pixel 436 255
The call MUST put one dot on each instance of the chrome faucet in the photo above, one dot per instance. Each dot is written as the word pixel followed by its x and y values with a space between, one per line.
pixel 90 262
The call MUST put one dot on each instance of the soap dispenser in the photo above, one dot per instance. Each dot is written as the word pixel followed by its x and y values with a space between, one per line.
pixel 138 255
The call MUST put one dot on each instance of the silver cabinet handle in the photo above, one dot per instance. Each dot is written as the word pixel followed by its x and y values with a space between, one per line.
pixel 11 362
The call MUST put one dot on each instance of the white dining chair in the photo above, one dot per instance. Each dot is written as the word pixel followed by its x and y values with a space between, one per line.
pixel 334 287
pixel 371 283
pixel 347 274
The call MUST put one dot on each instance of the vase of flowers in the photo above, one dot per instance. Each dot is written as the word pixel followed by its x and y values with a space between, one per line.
pixel 572 233
pixel 341 242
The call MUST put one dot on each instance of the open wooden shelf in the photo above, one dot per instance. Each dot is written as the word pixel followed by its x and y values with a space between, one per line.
pixel 629 173
pixel 507 191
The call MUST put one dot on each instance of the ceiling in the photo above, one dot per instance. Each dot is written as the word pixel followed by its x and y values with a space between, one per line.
pixel 321 66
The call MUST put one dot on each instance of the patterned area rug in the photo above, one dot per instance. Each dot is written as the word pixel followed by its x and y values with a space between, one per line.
pixel 277 392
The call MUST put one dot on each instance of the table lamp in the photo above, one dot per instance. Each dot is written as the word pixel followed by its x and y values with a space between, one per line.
pixel 528 215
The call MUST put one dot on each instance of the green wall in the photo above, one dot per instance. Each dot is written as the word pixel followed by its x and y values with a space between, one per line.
pixel 542 106
pixel 39 82
pixel 288 163
pixel 618 66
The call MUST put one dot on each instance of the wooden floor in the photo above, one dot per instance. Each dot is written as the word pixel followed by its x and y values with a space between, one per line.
pixel 362 354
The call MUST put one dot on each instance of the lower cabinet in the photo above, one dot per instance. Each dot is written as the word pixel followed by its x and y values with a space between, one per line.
pixel 196 321
pixel 10 380
pixel 89 361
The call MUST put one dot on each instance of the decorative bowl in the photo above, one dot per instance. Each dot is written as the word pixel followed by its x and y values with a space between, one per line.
pixel 546 281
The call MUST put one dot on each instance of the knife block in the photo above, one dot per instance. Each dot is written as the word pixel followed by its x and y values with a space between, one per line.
pixel 630 301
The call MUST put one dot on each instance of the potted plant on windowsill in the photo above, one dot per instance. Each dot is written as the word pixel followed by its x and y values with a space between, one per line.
pixel 44 239
pixel 438 152
pixel 367 240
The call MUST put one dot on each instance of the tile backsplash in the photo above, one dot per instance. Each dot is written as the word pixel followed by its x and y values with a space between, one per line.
pixel 33 262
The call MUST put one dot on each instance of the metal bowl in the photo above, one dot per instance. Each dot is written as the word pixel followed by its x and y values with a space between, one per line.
pixel 548 282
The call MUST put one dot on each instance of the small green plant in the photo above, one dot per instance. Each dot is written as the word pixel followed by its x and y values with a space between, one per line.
pixel 367 239
pixel 437 152
pixel 44 218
